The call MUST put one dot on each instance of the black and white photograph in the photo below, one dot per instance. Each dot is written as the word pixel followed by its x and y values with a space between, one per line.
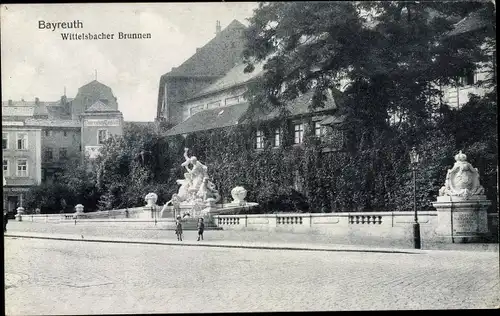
pixel 226 157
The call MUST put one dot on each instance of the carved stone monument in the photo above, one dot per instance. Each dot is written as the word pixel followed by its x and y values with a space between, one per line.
pixel 461 205
pixel 197 195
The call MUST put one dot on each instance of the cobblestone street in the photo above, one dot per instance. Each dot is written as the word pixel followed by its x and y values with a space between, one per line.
pixel 67 277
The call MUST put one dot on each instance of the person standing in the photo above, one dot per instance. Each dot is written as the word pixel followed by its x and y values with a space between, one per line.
pixel 5 220
pixel 201 228
pixel 178 228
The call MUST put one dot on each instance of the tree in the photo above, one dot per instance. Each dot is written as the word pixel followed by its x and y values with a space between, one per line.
pixel 393 55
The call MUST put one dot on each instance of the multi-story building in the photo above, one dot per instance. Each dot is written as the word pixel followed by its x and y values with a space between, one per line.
pixel 21 155
pixel 458 95
pixel 69 128
pixel 99 121
pixel 220 102
pixel 210 63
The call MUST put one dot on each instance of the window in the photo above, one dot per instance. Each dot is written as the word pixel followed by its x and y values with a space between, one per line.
pixel 5 140
pixel 299 133
pixel 65 133
pixel 22 168
pixel 469 78
pixel 63 153
pixel 47 133
pixel 213 105
pixel 259 140
pixel 22 141
pixel 232 100
pixel 5 168
pixel 196 109
pixel 319 130
pixel 277 137
pixel 102 136
pixel 337 138
pixel 48 154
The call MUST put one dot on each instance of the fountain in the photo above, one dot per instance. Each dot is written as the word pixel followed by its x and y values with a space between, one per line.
pixel 198 197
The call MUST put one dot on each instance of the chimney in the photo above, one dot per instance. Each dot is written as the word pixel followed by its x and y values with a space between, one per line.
pixel 37 101
pixel 217 27
pixel 10 102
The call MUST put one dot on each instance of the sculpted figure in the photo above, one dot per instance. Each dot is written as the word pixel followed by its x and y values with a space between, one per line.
pixel 197 172
pixel 185 186
pixel 462 180
pixel 207 191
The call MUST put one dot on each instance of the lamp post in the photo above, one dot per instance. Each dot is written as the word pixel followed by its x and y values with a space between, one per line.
pixel 416 226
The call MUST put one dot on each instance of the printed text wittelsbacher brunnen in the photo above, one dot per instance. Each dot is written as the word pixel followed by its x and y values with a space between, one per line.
pixel 77 24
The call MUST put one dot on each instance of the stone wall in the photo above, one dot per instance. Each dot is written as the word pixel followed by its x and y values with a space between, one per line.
pixel 393 225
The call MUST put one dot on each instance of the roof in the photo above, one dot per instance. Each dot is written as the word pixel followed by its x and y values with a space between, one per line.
pixel 99 106
pixel 94 85
pixel 52 123
pixel 210 119
pixel 137 123
pixel 17 110
pixel 207 59
pixel 236 114
pixel 473 22
pixel 296 107
pixel 236 76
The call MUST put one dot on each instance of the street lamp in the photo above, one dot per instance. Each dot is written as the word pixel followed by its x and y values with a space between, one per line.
pixel 416 226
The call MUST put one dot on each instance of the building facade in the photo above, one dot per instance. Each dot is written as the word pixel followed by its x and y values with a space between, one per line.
pixel 22 162
pixel 210 63
pixel 64 130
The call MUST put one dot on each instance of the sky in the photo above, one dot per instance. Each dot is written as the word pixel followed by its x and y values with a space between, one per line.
pixel 38 63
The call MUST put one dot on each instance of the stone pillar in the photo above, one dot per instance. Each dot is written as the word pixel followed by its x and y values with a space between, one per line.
pixel 461 205
pixel 19 215
pixel 461 220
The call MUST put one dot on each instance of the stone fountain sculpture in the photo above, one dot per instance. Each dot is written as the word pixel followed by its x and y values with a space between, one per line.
pixel 461 204
pixel 197 194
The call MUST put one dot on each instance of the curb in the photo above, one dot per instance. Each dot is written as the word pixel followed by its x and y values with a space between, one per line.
pixel 212 245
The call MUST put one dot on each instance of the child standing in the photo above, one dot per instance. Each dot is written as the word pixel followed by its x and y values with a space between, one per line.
pixel 178 228
pixel 201 228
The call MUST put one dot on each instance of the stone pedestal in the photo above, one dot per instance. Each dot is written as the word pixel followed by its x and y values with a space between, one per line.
pixel 462 220
pixel 19 215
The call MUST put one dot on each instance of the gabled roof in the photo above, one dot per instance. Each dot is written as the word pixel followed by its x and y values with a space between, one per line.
pixel 98 106
pixel 210 119
pixel 235 77
pixel 208 60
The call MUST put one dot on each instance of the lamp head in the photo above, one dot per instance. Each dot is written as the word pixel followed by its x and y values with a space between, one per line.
pixel 414 158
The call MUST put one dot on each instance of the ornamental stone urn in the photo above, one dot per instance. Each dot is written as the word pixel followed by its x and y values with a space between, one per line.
pixel 461 205
pixel 19 215
pixel 150 208
pixel 151 199
pixel 239 194
pixel 78 211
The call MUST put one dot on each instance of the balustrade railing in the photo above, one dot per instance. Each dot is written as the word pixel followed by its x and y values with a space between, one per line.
pixel 365 219
pixel 287 220
pixel 229 221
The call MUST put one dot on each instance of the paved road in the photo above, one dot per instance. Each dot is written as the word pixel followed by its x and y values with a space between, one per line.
pixel 148 231
pixel 67 277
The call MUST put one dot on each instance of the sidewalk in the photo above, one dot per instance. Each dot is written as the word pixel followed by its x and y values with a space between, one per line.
pixel 228 238
pixel 220 244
